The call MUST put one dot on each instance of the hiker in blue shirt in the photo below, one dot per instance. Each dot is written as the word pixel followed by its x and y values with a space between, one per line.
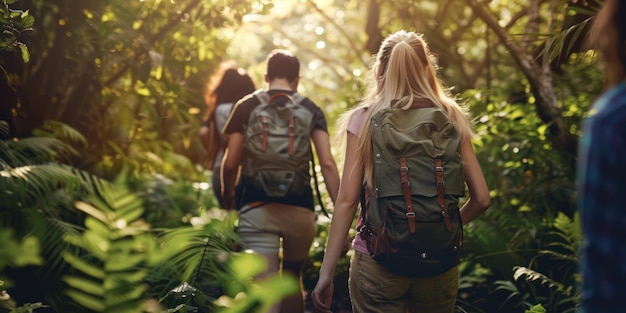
pixel 602 173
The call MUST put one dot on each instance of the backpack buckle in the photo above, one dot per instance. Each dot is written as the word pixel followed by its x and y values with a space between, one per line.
pixel 410 214
pixel 439 168
pixel 404 172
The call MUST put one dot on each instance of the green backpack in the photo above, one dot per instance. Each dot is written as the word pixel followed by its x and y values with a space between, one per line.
pixel 411 221
pixel 278 145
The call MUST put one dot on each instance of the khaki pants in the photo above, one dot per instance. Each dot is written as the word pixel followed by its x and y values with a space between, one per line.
pixel 375 290
pixel 262 228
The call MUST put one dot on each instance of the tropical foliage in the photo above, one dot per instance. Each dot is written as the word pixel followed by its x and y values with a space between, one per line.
pixel 104 202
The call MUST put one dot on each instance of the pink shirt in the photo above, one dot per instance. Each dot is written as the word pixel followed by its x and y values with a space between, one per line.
pixel 354 127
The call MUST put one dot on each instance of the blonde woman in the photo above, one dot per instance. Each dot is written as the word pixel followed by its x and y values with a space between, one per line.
pixel 404 73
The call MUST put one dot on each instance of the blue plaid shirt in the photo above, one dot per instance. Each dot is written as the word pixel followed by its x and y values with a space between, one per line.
pixel 602 203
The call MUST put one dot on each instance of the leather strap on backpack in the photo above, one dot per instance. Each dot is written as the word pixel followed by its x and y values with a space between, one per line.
pixel 292 124
pixel 440 186
pixel 406 190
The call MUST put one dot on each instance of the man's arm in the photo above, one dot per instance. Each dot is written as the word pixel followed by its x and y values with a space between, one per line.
pixel 327 162
pixel 229 173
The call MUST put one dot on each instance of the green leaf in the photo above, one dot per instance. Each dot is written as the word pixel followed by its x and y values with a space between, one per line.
pixel 28 253
pixel 83 266
pixel 92 211
pixel 89 286
pixel 24 51
pixel 247 265
pixel 29 307
pixel 536 309
pixel 123 261
pixel 123 294
pixel 27 20
pixel 88 301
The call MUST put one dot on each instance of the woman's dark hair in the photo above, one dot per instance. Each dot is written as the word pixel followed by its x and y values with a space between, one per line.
pixel 235 84
pixel 228 84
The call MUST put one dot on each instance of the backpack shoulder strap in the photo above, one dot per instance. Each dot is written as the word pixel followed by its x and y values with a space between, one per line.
pixel 279 95
pixel 265 98
pixel 262 95
pixel 297 98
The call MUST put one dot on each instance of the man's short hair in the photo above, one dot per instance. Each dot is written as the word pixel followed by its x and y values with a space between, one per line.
pixel 282 64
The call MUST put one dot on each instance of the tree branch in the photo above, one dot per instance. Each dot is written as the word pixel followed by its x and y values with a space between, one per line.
pixel 540 83
pixel 153 39
pixel 372 29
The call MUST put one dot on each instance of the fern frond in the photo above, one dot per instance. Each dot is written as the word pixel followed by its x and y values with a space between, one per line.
pixel 555 46
pixel 120 248
pixel 533 276
pixel 569 229
pixel 86 300
pixel 61 131
pixel 35 150
pixel 84 266
pixel 4 129
pixel 89 286
pixel 508 287
pixel 23 186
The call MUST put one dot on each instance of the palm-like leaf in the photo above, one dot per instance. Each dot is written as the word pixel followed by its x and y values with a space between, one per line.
pixel 37 191
pixel 32 169
pixel 60 131
pixel 26 186
pixel 198 259
pixel 34 150
pixel 114 253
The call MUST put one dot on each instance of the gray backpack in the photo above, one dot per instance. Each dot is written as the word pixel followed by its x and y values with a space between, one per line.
pixel 278 145
pixel 411 221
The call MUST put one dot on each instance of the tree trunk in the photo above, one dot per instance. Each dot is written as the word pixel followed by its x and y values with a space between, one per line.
pixel 540 79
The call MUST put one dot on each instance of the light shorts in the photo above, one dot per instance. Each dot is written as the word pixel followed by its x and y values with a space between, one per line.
pixel 261 229
pixel 375 290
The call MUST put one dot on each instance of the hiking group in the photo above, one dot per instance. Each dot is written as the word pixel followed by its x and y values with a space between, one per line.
pixel 408 160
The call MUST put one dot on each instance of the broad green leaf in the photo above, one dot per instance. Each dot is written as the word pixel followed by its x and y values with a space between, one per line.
pixel 89 286
pixel 84 266
pixel 88 301
pixel 247 265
